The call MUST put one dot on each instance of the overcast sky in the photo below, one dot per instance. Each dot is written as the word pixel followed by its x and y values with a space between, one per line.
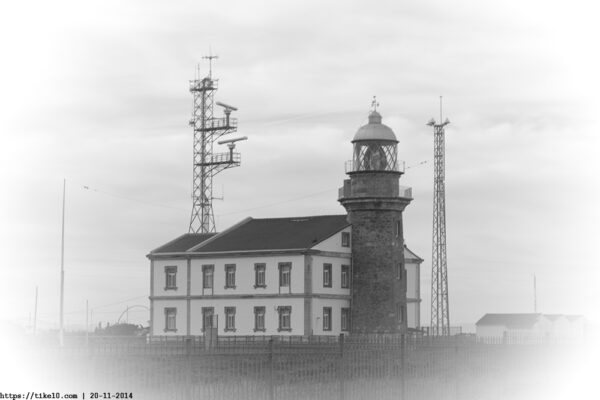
pixel 97 92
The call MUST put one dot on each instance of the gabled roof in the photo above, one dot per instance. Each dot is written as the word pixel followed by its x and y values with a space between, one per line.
pixel 509 320
pixel 275 234
pixel 183 243
pixel 260 234
pixel 410 256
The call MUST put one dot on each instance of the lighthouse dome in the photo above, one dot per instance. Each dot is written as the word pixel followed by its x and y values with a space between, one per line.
pixel 375 130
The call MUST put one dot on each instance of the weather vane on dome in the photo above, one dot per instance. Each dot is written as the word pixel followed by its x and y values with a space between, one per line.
pixel 374 103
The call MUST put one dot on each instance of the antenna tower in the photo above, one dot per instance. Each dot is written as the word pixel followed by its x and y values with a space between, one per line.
pixel 440 316
pixel 207 129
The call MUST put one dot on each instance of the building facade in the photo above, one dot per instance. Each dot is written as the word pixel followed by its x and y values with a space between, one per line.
pixel 320 275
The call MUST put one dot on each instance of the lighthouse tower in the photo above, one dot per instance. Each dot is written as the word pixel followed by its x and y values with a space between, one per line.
pixel 374 201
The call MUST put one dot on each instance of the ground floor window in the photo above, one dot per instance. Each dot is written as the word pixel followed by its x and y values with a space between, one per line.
pixel 326 318
pixel 345 319
pixel 230 319
pixel 208 314
pixel 170 319
pixel 259 319
pixel 285 318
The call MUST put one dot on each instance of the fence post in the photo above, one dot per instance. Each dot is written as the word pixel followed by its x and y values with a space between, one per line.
pixel 271 383
pixel 402 367
pixel 341 368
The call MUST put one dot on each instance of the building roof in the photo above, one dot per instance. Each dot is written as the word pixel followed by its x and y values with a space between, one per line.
pixel 517 321
pixel 183 243
pixel 375 130
pixel 261 234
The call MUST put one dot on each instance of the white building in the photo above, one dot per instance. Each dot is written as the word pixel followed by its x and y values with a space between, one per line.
pixel 535 326
pixel 276 276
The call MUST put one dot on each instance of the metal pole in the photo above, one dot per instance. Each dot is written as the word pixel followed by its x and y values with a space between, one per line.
pixel 87 323
pixel 35 311
pixel 61 331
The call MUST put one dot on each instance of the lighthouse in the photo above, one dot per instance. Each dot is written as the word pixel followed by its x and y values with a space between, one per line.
pixel 374 201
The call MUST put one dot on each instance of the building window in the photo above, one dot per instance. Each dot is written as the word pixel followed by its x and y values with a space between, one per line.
pixel 326 275
pixel 345 239
pixel 345 319
pixel 285 318
pixel 345 276
pixel 399 271
pixel 171 277
pixel 285 270
pixel 326 318
pixel 207 276
pixel 170 319
pixel 259 275
pixel 259 319
pixel 229 319
pixel 400 312
pixel 229 276
pixel 208 321
pixel 397 225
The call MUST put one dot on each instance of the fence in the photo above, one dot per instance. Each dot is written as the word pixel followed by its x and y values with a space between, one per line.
pixel 301 368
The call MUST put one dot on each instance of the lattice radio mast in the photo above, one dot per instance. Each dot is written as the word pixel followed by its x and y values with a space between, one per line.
pixel 440 315
pixel 208 129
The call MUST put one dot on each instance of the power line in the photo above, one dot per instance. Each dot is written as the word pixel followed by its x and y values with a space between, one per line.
pixel 85 187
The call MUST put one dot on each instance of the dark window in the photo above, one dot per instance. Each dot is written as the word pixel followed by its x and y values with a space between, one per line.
pixel 345 319
pixel 171 278
pixel 326 275
pixel 259 275
pixel 171 319
pixel 399 271
pixel 345 239
pixel 397 225
pixel 285 318
pixel 345 276
pixel 285 271
pixel 230 319
pixel 326 318
pixel 400 310
pixel 229 276
pixel 259 319
pixel 207 276
pixel 208 314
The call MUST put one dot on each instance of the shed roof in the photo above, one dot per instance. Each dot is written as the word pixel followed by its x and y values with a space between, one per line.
pixel 509 320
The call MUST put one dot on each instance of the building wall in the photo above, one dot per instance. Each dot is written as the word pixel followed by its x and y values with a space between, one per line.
pixel 159 281
pixel 334 243
pixel 318 265
pixel 158 317
pixel 244 275
pixel 336 315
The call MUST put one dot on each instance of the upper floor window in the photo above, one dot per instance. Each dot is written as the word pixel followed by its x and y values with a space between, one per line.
pixel 326 275
pixel 345 276
pixel 397 228
pixel 326 318
pixel 171 277
pixel 285 271
pixel 207 276
pixel 345 239
pixel 207 318
pixel 229 276
pixel 259 319
pixel 285 318
pixel 230 319
pixel 259 275
pixel 345 319
pixel 170 319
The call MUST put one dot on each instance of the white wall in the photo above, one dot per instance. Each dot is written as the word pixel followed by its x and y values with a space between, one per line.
pixel 244 275
pixel 336 275
pixel 158 315
pixel 334 243
pixel 160 277
pixel 336 315
pixel 412 281
pixel 244 315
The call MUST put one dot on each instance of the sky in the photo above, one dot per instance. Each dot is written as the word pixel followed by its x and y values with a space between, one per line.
pixel 96 92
